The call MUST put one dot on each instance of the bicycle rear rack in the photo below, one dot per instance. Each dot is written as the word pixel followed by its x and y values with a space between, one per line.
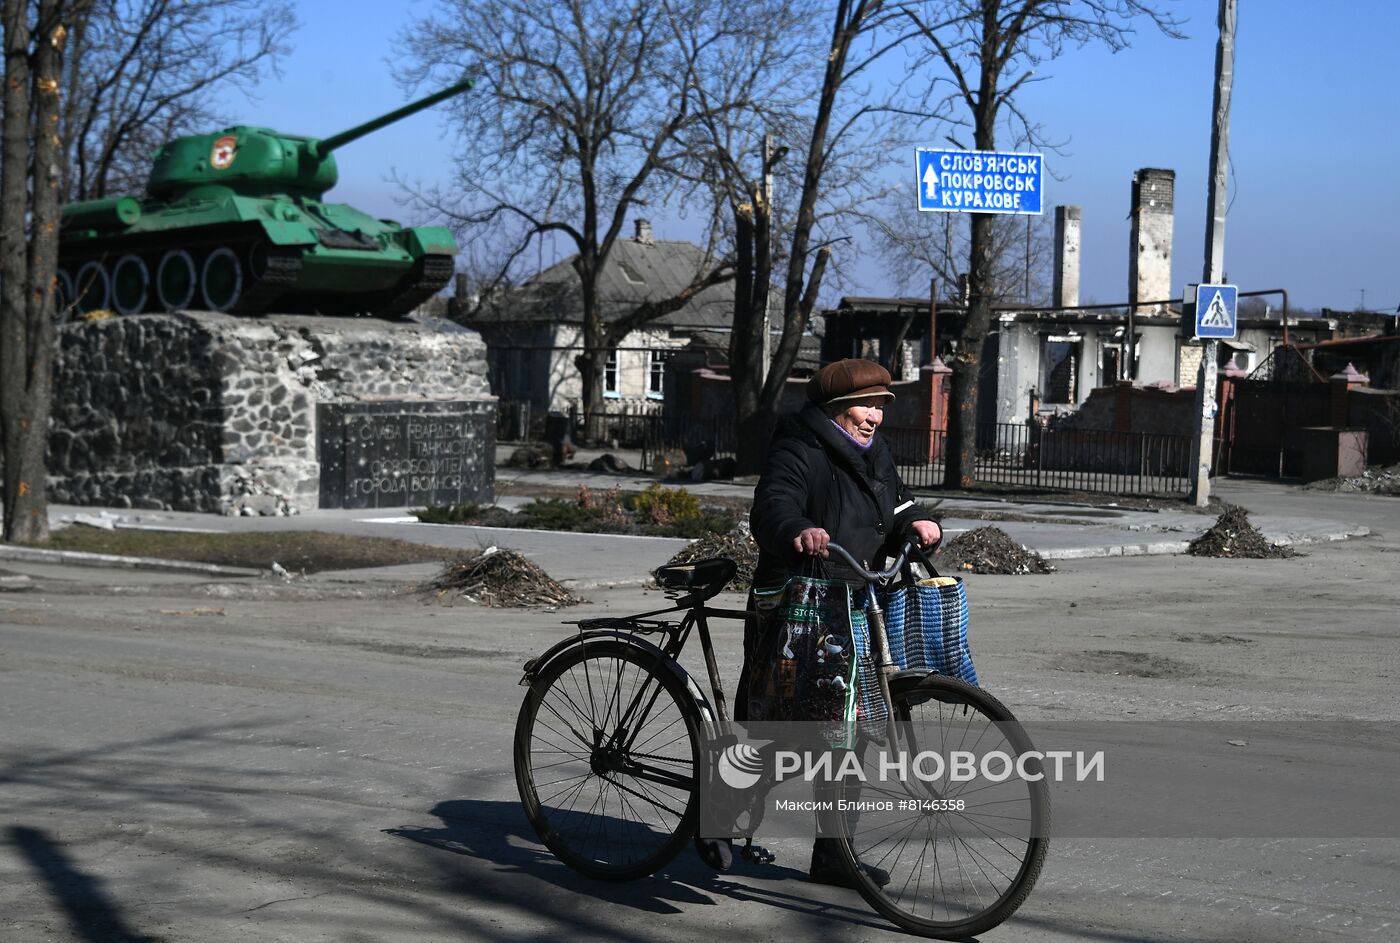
pixel 623 624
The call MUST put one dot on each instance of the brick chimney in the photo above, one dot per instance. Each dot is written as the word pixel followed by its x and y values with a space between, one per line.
pixel 1150 252
pixel 644 232
pixel 1066 257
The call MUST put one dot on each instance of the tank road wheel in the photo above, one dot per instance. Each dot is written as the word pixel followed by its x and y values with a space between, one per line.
pixel 94 289
pixel 271 271
pixel 63 296
pixel 131 282
pixel 221 280
pixel 176 280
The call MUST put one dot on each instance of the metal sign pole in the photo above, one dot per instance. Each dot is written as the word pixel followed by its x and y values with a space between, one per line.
pixel 1206 379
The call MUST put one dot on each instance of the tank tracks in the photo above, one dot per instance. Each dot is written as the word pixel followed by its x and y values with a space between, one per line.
pixel 271 277
pixel 430 275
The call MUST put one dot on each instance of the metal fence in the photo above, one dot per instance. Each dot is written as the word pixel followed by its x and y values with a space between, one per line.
pixel 627 427
pixel 1029 457
pixel 697 438
pixel 1008 454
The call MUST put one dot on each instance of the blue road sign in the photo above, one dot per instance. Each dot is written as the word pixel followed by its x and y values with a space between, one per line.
pixel 1215 310
pixel 979 181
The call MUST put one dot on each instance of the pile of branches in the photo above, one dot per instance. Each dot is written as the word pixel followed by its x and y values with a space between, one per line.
pixel 1234 536
pixel 738 545
pixel 501 578
pixel 989 550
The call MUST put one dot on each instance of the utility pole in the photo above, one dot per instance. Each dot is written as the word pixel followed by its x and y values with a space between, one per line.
pixel 768 162
pixel 1214 269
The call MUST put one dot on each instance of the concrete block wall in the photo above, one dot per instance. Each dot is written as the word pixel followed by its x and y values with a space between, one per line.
pixel 210 412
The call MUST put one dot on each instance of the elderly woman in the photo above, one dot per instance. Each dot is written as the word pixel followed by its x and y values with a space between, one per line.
pixel 829 476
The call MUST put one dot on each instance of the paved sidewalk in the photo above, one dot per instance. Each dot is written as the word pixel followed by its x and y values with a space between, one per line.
pixel 1285 514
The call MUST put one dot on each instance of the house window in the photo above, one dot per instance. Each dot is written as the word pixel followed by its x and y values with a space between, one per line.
pixel 1111 370
pixel 656 373
pixel 610 387
pixel 1060 383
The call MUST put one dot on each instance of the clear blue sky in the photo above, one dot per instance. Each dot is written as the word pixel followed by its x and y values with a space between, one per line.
pixel 1314 138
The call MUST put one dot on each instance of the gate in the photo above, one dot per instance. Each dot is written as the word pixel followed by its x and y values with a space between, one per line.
pixel 1264 415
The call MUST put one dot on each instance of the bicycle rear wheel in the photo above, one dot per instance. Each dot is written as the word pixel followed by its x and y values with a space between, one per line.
pixel 607 746
pixel 961 853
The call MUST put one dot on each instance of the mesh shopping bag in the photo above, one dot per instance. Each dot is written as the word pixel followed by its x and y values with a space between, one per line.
pixel 926 621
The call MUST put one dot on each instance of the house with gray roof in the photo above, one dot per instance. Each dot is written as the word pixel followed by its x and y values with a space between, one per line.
pixel 533 332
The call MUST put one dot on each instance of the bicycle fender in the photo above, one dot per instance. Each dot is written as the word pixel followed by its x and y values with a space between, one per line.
pixel 534 666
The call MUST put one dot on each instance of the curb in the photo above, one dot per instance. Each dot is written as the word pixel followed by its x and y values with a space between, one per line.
pixel 1161 548
pixel 1179 546
pixel 572 585
pixel 79 558
pixel 1292 539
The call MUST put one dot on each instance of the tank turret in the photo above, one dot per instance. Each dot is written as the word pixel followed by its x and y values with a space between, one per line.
pixel 233 221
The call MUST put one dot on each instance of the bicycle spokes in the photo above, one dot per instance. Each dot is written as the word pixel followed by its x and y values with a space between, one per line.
pixel 607 759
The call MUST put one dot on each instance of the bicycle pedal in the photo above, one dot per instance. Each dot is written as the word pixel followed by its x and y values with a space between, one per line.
pixel 756 853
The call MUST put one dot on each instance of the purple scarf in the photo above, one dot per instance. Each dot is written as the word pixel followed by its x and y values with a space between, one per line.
pixel 854 441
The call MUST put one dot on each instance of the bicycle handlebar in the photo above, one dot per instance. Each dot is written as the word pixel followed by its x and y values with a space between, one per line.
pixel 873 576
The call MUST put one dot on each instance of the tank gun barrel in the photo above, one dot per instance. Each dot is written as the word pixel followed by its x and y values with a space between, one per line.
pixel 321 148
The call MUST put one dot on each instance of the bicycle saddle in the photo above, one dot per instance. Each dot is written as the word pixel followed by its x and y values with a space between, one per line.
pixel 705 577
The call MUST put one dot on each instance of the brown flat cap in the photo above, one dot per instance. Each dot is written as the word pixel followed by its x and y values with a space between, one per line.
pixel 848 380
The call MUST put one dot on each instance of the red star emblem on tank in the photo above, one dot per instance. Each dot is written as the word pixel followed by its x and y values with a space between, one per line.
pixel 223 152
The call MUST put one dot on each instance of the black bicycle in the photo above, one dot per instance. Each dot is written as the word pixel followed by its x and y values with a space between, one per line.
pixel 608 750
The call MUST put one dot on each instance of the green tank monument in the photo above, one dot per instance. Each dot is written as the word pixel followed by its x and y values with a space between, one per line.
pixel 209 358
pixel 235 221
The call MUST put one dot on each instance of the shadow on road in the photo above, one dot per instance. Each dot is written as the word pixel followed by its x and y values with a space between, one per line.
pixel 92 914
pixel 498 832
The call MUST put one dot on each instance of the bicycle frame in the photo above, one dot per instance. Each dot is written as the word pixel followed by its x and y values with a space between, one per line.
pixel 714 709
pixel 885 668
pixel 629 629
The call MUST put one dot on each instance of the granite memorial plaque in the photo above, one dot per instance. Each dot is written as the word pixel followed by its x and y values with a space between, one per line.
pixel 402 454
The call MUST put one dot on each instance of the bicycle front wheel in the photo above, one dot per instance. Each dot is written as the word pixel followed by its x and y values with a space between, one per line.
pixel 960 852
pixel 607 746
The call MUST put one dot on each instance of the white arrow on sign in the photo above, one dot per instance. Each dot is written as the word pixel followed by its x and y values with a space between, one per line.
pixel 930 183
pixel 1216 315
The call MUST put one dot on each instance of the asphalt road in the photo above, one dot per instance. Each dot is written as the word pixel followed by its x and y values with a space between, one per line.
pixel 186 761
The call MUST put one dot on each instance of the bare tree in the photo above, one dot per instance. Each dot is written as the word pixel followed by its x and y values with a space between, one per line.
pixel 739 159
pixel 584 112
pixel 915 246
pixel 143 71
pixel 34 37
pixel 830 140
pixel 986 51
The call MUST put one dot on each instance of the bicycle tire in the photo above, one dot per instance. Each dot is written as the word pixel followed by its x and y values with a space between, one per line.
pixel 589 770
pixel 1001 830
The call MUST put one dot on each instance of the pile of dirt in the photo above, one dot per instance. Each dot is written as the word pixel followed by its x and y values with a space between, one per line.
pixel 738 545
pixel 1234 536
pixel 989 550
pixel 501 578
pixel 1377 480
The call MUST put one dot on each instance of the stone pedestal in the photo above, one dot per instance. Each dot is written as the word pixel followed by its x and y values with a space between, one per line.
pixel 208 412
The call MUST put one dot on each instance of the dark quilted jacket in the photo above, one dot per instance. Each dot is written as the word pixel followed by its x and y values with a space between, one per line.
pixel 816 477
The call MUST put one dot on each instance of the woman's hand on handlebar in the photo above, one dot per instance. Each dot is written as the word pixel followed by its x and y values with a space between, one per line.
pixel 928 533
pixel 812 540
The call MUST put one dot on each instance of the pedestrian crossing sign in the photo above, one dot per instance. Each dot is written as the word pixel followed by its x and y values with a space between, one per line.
pixel 1216 310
